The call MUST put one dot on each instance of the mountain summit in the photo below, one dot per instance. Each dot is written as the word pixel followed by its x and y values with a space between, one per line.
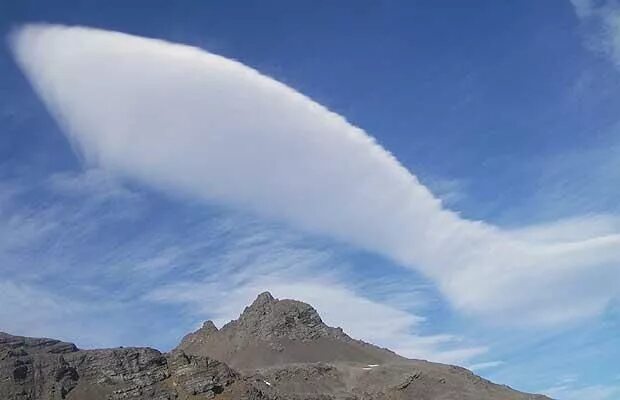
pixel 275 350
pixel 272 332
pixel 268 318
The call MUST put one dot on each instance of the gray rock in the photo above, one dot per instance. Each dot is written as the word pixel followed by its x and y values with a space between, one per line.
pixel 280 349
pixel 200 375
pixel 275 332
pixel 35 368
pixel 286 343
pixel 46 369
pixel 124 373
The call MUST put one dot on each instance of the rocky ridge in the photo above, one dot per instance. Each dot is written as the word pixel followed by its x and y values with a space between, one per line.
pixel 287 343
pixel 273 332
pixel 277 349
pixel 48 369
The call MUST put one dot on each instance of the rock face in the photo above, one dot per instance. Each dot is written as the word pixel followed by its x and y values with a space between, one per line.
pixel 45 369
pixel 280 349
pixel 273 332
pixel 285 343
pixel 35 368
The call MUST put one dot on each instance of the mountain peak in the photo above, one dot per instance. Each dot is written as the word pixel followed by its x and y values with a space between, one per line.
pixel 285 343
pixel 200 336
pixel 263 298
pixel 209 327
pixel 268 317
pixel 273 331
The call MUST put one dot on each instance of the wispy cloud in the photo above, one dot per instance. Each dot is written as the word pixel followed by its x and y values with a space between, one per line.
pixel 578 181
pixel 195 124
pixel 96 184
pixel 602 26
pixel 42 231
pixel 593 392
pixel 105 292
pixel 27 308
pixel 485 365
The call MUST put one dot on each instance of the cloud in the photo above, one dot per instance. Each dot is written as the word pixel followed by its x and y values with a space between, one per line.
pixel 32 310
pixel 71 206
pixel 485 365
pixel 94 183
pixel 84 278
pixel 602 26
pixel 583 8
pixel 579 180
pixel 195 124
pixel 593 392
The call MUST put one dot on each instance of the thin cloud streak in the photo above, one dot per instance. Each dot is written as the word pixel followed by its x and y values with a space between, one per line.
pixel 602 20
pixel 102 294
pixel 593 392
pixel 485 365
pixel 196 124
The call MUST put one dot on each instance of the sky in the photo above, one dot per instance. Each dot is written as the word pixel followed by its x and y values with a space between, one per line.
pixel 439 178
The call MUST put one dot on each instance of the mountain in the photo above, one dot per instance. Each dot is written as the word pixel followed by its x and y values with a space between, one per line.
pixel 276 350
pixel 287 343
pixel 274 332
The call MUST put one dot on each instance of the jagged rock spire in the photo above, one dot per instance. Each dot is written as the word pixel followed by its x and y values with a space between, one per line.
pixel 209 327
pixel 268 317
pixel 263 298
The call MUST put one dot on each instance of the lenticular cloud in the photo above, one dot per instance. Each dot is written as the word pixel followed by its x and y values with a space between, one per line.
pixel 188 121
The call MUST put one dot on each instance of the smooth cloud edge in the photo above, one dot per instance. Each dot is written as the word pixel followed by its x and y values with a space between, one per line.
pixel 478 246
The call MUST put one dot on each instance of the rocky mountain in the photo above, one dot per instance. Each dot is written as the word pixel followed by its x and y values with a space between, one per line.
pixel 277 349
pixel 274 332
pixel 48 369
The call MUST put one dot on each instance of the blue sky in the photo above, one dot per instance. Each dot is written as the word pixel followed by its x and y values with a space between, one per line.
pixel 507 113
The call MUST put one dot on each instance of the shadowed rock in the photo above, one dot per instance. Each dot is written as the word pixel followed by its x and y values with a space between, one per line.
pixel 46 369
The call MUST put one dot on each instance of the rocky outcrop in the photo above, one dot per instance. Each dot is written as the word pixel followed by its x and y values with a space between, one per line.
pixel 200 375
pixel 273 332
pixel 35 368
pixel 286 343
pixel 124 373
pixel 280 349
pixel 268 318
pixel 46 369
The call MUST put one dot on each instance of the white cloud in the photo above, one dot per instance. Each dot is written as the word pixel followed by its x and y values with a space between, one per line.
pixel 66 285
pixel 450 191
pixel 593 392
pixel 25 227
pixel 94 183
pixel 31 310
pixel 196 124
pixel 66 293
pixel 485 365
